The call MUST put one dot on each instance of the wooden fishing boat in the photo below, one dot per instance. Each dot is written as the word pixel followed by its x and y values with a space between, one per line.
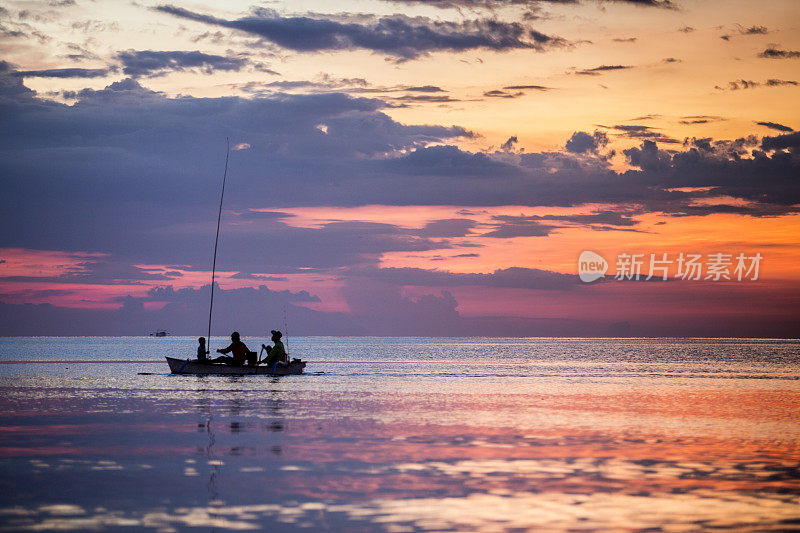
pixel 193 366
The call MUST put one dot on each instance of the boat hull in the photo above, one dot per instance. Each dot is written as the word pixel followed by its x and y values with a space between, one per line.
pixel 185 366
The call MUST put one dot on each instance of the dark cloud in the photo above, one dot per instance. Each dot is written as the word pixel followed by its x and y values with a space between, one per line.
pixel 387 312
pixel 532 4
pixel 378 309
pixel 728 173
pixel 397 35
pixel 775 126
pixel 517 278
pixel 5 31
pixel 157 190
pixel 17 28
pixel 509 144
pixel 11 86
pixel 631 128
pixel 635 131
pixel 604 218
pixel 582 142
pixel 216 37
pixel 776 53
pixel 328 83
pixel 699 119
pixel 253 311
pixel 526 87
pixel 133 173
pixel 648 157
pixel 258 277
pixel 459 4
pixel 742 30
pixel 740 84
pixel 66 73
pixel 596 71
pixel 519 226
pixel 425 89
pixel 502 94
pixel 101 272
pixel 151 63
pixel 381 308
pixel 325 82
pixel 449 161
pixel 333 245
pixel 710 118
pixel 79 52
pixel 782 142
pixel 429 98
pixel 93 26
pixel 543 225
pixel 772 82
pixel 666 4
pixel 754 30
pixel 450 227
pixel 750 84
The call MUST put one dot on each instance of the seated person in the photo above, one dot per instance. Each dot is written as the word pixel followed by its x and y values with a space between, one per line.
pixel 201 349
pixel 239 349
pixel 277 353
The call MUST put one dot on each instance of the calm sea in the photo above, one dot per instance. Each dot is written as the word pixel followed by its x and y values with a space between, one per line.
pixel 403 434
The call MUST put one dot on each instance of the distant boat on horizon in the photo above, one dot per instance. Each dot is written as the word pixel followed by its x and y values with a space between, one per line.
pixel 159 333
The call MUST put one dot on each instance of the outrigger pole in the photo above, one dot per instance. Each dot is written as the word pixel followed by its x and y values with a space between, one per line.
pixel 216 241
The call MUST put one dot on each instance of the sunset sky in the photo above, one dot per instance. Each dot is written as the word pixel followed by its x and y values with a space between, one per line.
pixel 406 167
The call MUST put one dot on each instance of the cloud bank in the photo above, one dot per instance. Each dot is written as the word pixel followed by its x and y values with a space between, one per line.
pixel 398 36
pixel 134 174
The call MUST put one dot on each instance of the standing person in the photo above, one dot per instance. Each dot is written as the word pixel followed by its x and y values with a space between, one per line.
pixel 201 349
pixel 277 353
pixel 239 349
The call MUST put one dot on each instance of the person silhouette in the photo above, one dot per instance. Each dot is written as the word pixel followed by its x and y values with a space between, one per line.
pixel 277 353
pixel 201 349
pixel 239 350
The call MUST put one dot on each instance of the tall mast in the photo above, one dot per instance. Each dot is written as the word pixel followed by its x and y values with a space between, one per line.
pixel 216 241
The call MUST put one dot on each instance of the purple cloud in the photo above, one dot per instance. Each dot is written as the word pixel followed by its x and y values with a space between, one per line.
pixel 397 35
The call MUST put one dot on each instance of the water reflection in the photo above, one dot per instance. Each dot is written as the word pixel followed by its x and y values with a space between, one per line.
pixel 557 443
pixel 230 412
pixel 476 512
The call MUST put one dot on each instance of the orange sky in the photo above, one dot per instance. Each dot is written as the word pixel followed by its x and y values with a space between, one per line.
pixel 680 75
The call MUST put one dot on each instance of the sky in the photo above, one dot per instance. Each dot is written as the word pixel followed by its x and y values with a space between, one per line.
pixel 401 167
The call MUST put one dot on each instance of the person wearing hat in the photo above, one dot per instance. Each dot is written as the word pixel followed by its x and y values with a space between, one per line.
pixel 277 353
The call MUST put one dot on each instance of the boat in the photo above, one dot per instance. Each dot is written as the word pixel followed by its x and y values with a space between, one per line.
pixel 159 333
pixel 195 367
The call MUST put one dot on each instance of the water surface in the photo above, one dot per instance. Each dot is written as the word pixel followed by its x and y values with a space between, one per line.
pixel 404 434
